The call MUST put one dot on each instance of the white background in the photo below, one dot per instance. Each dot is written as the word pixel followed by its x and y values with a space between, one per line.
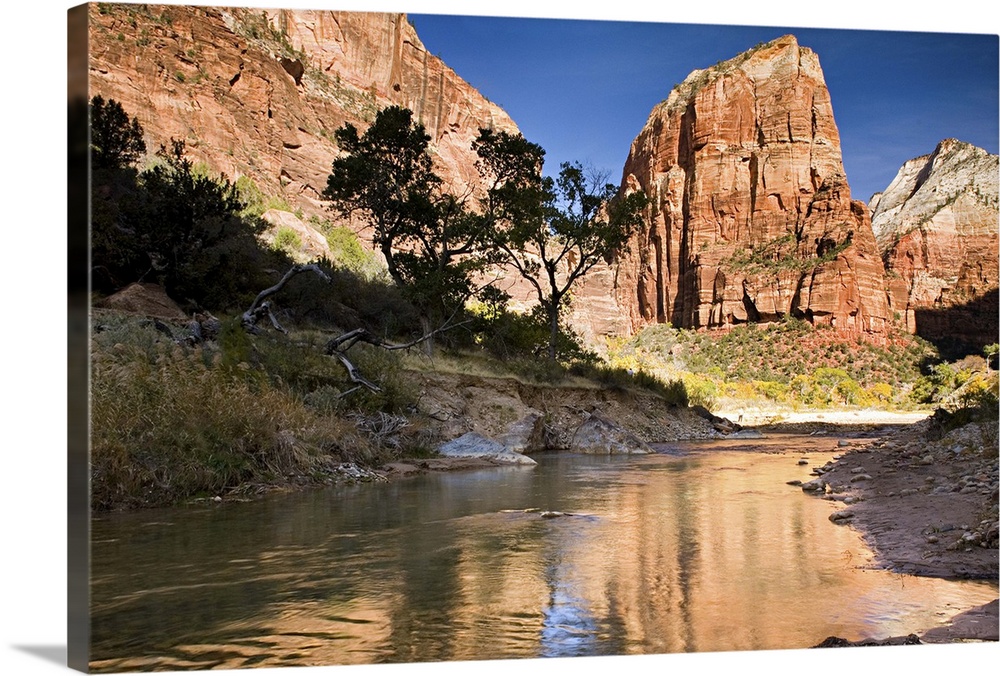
pixel 33 328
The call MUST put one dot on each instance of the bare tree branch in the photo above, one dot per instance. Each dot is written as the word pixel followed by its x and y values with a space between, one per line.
pixel 261 307
pixel 351 338
pixel 335 347
pixel 353 373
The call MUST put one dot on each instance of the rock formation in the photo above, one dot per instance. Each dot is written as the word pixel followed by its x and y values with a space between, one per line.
pixel 936 226
pixel 259 93
pixel 751 217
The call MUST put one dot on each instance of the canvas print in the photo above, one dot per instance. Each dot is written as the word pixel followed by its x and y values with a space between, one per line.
pixel 413 338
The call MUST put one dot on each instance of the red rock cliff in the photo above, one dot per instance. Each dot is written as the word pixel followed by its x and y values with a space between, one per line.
pixel 259 93
pixel 936 226
pixel 751 217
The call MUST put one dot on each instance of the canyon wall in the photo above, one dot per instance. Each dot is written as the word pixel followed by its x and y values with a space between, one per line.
pixel 259 93
pixel 751 217
pixel 936 226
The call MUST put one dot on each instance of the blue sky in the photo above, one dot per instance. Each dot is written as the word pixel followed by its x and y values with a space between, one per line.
pixel 583 89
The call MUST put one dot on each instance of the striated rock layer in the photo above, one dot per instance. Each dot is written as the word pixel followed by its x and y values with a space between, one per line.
pixel 751 217
pixel 937 229
pixel 259 93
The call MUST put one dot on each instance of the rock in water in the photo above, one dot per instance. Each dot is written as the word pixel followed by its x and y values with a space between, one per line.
pixel 474 445
pixel 601 436
pixel 747 434
pixel 751 217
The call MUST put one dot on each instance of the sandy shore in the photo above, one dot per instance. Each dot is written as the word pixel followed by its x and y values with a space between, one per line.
pixel 753 416
pixel 925 500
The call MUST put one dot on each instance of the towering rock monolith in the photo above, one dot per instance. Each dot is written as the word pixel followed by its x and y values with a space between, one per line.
pixel 936 226
pixel 751 217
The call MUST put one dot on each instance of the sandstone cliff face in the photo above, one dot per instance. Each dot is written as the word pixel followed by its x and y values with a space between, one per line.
pixel 751 217
pixel 937 230
pixel 259 93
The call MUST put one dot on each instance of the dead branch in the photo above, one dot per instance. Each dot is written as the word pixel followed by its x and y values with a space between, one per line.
pixel 261 307
pixel 353 373
pixel 351 338
pixel 335 347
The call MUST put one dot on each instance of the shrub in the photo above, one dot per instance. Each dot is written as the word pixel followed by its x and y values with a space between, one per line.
pixel 509 335
pixel 772 390
pixel 881 392
pixel 346 250
pixel 384 368
pixel 850 392
pixel 255 201
pixel 287 240
pixel 980 392
pixel 348 301
pixel 176 225
pixel 700 391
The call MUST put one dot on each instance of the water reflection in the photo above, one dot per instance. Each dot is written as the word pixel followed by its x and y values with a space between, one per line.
pixel 666 553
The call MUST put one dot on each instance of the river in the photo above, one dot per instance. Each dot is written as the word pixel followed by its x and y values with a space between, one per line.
pixel 701 547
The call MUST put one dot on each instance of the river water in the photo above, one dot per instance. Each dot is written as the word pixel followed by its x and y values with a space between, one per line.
pixel 702 547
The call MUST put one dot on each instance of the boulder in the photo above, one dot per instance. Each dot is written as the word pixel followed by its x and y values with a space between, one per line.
pixel 599 435
pixel 525 435
pixel 814 486
pixel 475 445
pixel 842 515
pixel 141 298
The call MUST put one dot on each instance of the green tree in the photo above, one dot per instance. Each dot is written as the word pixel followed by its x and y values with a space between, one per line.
pixel 115 139
pixel 552 232
pixel 429 239
pixel 168 223
pixel 115 145
pixel 196 240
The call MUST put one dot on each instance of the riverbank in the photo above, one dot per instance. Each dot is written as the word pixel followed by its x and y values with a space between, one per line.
pixel 925 499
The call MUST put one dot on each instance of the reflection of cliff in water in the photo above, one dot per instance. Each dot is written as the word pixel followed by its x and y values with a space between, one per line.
pixel 964 329
pixel 700 551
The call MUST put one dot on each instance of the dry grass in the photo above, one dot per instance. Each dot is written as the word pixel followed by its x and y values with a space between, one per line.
pixel 170 423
